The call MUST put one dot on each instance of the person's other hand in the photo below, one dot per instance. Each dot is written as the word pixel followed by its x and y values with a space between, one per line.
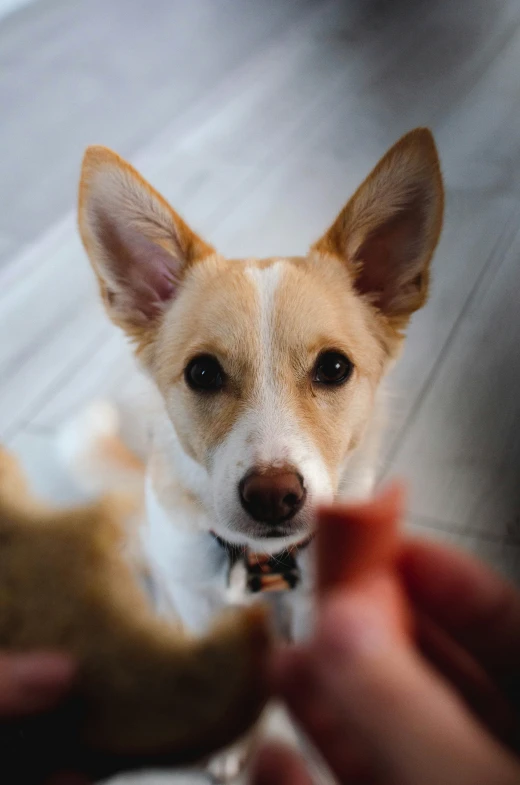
pixel 30 685
pixel 389 709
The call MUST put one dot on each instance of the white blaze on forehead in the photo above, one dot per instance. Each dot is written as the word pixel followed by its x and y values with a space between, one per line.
pixel 268 420
pixel 267 281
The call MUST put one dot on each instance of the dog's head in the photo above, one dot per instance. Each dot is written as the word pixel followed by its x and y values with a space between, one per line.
pixel 268 368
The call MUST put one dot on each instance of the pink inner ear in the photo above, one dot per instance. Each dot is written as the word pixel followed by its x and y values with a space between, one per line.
pixel 143 274
pixel 390 258
pixel 151 275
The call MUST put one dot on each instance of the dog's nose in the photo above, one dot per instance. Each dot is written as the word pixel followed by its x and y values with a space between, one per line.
pixel 272 496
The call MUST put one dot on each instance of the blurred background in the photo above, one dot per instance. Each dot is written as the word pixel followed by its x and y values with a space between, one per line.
pixel 258 120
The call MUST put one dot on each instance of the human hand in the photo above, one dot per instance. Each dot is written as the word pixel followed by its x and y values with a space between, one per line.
pixel 31 685
pixel 389 708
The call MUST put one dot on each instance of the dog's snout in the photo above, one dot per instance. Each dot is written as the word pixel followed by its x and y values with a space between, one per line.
pixel 272 496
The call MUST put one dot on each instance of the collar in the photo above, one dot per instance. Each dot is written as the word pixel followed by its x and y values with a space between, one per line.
pixel 266 572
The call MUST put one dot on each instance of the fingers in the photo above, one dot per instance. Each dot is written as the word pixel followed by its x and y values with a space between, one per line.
pixel 357 538
pixel 30 683
pixel 297 682
pixel 379 694
pixel 475 606
pixel 278 765
pixel 360 541
pixel 479 691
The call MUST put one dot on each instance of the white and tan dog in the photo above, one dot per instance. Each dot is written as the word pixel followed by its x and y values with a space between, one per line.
pixel 269 370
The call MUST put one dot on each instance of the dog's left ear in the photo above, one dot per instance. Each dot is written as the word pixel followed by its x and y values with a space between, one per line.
pixel 388 231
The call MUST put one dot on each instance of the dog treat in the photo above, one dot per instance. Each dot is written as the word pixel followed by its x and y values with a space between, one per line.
pixel 145 691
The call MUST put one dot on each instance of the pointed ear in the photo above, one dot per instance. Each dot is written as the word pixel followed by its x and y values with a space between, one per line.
pixel 138 246
pixel 388 231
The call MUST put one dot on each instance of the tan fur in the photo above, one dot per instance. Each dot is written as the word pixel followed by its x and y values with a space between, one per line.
pixel 354 292
pixel 218 300
pixel 143 688
pixel 117 452
pixel 334 418
pixel 170 491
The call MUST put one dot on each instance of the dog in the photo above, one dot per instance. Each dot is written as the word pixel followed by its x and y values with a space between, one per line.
pixel 270 373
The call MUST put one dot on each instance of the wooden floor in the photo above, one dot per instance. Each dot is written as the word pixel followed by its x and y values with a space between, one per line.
pixel 258 120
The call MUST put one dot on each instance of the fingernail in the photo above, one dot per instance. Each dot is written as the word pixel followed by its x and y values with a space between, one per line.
pixel 351 627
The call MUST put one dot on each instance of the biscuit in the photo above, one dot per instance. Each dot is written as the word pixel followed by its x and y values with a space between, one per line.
pixel 145 690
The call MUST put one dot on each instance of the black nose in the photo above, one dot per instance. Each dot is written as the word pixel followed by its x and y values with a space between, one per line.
pixel 273 495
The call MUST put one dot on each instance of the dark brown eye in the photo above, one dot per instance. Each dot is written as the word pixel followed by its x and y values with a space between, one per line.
pixel 332 368
pixel 205 374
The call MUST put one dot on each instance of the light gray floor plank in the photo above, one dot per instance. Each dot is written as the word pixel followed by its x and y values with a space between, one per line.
pixel 462 450
pixel 72 73
pixel 478 231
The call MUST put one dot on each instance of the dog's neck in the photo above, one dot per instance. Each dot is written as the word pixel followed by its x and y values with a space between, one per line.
pixel 177 479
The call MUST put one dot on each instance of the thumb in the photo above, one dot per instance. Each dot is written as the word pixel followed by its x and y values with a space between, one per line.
pixel 375 689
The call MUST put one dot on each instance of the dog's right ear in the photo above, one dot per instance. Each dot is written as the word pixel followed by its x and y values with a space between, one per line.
pixel 139 247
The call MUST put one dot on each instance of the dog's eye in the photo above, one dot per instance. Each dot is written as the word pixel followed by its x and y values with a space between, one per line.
pixel 332 368
pixel 204 373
